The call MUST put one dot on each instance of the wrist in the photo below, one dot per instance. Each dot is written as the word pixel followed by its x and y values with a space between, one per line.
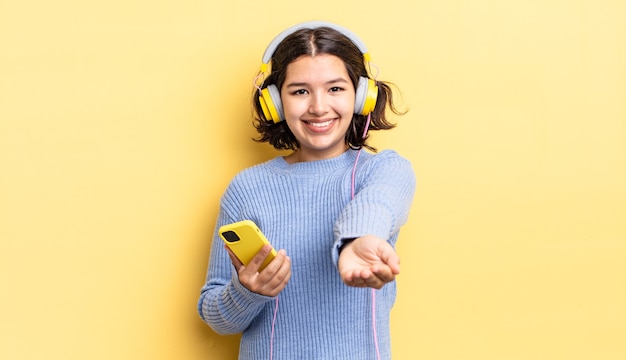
pixel 345 243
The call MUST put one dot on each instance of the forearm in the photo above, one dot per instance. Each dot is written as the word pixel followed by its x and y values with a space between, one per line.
pixel 229 308
pixel 380 206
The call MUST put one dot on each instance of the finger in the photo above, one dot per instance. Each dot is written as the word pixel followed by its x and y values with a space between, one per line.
pixel 259 258
pixel 282 276
pixel 384 273
pixel 275 270
pixel 394 265
pixel 280 280
pixel 369 278
pixel 357 278
pixel 356 282
pixel 346 277
pixel 374 281
pixel 391 258
pixel 273 266
pixel 275 276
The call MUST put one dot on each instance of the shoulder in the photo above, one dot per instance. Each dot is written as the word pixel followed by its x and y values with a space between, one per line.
pixel 251 178
pixel 387 160
pixel 387 167
pixel 253 173
pixel 247 185
pixel 388 154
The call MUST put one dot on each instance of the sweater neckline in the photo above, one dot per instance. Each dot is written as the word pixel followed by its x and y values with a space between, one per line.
pixel 317 166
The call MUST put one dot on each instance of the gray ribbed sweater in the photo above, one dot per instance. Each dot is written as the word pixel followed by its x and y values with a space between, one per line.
pixel 306 209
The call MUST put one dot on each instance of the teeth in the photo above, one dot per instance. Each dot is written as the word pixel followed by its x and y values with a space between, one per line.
pixel 323 124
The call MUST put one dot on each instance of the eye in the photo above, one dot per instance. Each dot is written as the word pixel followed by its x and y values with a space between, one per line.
pixel 299 92
pixel 336 89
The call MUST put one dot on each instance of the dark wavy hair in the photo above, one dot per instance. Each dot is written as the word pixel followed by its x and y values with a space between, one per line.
pixel 322 40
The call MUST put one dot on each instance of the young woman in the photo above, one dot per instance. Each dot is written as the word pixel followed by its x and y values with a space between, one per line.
pixel 334 211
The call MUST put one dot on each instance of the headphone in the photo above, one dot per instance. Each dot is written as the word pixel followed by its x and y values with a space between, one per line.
pixel 269 97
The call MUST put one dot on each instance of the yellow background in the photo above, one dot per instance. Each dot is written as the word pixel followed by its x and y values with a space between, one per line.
pixel 121 122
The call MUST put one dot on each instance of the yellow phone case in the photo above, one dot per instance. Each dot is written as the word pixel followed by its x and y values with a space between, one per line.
pixel 245 239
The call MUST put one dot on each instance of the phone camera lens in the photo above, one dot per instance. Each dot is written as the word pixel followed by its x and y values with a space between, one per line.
pixel 230 236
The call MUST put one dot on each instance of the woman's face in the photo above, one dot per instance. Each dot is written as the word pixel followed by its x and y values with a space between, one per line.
pixel 318 102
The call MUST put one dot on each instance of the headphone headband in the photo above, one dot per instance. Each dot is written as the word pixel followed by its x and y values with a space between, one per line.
pixel 269 51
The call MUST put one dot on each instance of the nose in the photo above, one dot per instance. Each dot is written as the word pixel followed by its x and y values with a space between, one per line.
pixel 318 104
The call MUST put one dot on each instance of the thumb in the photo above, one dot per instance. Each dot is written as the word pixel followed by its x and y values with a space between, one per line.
pixel 389 256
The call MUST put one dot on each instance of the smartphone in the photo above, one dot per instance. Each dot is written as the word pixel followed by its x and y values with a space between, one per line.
pixel 245 239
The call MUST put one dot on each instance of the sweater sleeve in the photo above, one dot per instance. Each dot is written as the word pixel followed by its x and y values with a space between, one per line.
pixel 385 185
pixel 225 304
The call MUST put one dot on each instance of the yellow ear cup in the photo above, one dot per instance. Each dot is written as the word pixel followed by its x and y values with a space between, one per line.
pixel 370 98
pixel 266 111
pixel 365 98
pixel 271 104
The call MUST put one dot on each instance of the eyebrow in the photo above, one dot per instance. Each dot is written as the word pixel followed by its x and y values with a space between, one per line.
pixel 333 81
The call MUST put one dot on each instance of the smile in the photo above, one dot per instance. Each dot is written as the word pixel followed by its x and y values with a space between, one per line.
pixel 320 124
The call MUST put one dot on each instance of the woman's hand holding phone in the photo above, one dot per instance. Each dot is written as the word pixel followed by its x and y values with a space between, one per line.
pixel 272 279
pixel 260 268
